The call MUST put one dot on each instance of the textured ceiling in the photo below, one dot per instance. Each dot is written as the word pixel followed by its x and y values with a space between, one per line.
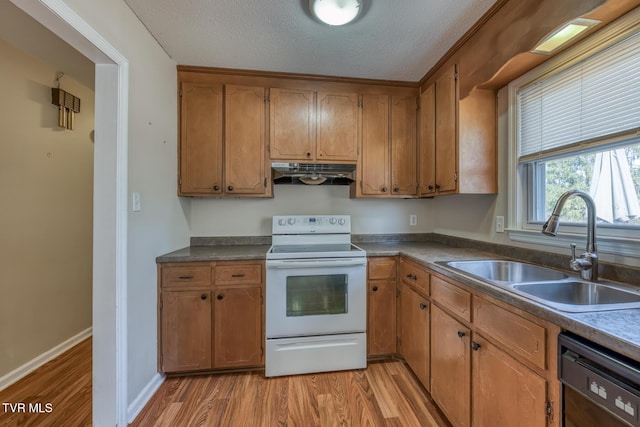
pixel 391 40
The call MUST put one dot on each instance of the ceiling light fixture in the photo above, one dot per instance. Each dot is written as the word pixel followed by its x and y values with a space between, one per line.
pixel 564 34
pixel 335 12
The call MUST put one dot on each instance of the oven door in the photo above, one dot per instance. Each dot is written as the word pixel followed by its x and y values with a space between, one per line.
pixel 315 297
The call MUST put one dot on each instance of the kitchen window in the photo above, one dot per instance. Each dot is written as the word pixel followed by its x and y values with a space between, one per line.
pixel 575 124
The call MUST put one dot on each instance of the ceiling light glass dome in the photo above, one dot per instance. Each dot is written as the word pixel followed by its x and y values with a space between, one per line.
pixel 335 12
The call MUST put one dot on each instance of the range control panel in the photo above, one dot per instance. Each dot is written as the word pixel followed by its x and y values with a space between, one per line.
pixel 311 224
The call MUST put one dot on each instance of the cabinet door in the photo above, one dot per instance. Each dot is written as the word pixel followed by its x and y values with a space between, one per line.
pixel 292 124
pixel 337 127
pixel 446 132
pixel 186 330
pixel 244 142
pixel 374 169
pixel 451 367
pixel 414 325
pixel 505 392
pixel 381 312
pixel 403 146
pixel 200 138
pixel 427 143
pixel 238 326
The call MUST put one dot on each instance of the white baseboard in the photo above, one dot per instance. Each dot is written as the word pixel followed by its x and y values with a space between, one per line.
pixel 24 370
pixel 145 395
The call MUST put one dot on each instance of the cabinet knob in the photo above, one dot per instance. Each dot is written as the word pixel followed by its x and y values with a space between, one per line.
pixel 216 187
pixel 220 296
pixel 230 188
pixel 203 296
pixel 429 187
pixel 308 154
pixel 374 289
pixel 423 306
pixel 396 189
pixel 384 189
pixel 475 346
pixel 437 186
pixel 461 334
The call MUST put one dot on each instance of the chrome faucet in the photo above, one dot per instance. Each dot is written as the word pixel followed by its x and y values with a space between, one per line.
pixel 587 264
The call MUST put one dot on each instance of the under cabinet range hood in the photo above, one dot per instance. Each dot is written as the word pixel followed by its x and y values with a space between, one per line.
pixel 313 173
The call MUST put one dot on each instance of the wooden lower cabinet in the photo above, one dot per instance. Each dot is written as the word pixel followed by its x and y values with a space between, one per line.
pixel 414 332
pixel 381 309
pixel 186 331
pixel 451 367
pixel 203 325
pixel 505 392
pixel 237 326
pixel 381 306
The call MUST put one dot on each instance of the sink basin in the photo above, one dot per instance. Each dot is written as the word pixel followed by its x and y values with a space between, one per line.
pixel 579 296
pixel 507 272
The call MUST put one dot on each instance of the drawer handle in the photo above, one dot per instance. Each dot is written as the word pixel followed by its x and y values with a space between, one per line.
pixel 423 306
pixel 203 297
pixel 238 275
pixel 375 289
pixel 412 276
pixel 220 296
pixel 461 334
pixel 475 346
pixel 186 277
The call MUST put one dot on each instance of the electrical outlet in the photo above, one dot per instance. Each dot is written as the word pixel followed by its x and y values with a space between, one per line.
pixel 499 224
pixel 413 220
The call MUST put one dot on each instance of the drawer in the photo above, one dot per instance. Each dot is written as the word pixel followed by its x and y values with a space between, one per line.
pixel 450 296
pixel 382 268
pixel 188 274
pixel 238 274
pixel 514 332
pixel 415 275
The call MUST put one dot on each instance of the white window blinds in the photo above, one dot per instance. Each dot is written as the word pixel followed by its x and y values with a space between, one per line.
pixel 596 99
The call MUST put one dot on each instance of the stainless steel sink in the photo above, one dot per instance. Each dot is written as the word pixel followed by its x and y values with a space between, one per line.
pixel 506 272
pixel 550 287
pixel 580 296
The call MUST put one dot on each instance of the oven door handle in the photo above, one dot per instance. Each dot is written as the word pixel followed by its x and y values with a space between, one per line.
pixel 324 263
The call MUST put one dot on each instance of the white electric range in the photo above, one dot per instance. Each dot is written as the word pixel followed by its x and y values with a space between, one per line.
pixel 315 296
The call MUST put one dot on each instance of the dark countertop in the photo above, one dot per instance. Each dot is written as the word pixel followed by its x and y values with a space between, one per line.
pixel 616 329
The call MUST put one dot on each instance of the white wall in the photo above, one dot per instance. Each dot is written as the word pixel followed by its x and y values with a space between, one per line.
pixel 252 217
pixel 162 224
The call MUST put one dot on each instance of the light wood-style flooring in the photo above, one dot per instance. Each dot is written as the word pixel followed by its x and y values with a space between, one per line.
pixel 59 393
pixel 385 394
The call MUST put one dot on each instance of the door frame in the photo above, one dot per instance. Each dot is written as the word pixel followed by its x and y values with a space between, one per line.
pixel 109 204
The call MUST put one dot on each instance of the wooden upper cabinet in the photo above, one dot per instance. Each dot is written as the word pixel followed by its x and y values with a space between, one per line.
pixel 245 162
pixel 337 127
pixel 403 145
pixel 446 131
pixel 200 138
pixel 388 161
pixel 292 124
pixel 427 143
pixel 457 138
pixel 375 163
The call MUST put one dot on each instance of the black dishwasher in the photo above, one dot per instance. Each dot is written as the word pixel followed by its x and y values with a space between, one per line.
pixel 600 387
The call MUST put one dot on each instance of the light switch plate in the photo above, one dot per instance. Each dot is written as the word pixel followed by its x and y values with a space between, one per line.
pixel 499 224
pixel 135 202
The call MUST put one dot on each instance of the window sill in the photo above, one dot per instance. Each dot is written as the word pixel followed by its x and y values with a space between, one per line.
pixel 605 244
